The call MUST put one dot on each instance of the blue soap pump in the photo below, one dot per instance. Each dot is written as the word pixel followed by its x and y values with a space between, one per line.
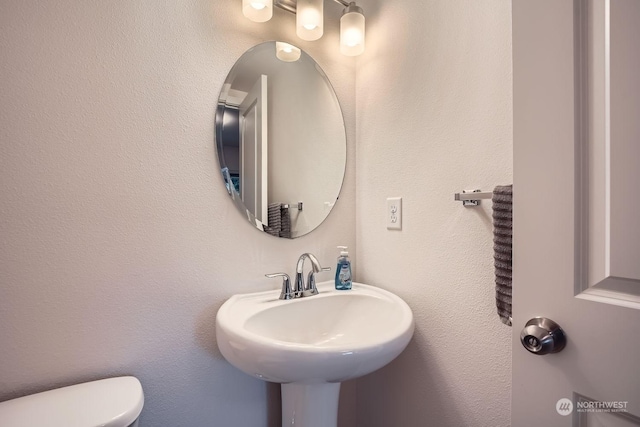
pixel 343 270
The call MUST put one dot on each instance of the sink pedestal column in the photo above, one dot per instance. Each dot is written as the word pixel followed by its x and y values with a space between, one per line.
pixel 310 405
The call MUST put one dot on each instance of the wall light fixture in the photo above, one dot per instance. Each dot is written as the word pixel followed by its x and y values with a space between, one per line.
pixel 258 10
pixel 352 30
pixel 310 20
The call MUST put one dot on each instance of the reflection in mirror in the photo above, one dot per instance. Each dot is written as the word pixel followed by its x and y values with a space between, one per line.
pixel 280 139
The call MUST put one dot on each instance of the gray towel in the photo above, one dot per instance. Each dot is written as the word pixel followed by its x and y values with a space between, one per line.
pixel 285 220
pixel 502 232
pixel 274 213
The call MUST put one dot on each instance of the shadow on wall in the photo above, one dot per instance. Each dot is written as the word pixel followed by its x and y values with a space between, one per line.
pixel 205 336
pixel 486 218
pixel 403 393
pixel 205 331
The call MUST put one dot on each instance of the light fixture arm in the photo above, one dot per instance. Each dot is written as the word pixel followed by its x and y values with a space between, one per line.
pixel 352 7
pixel 290 5
pixel 342 2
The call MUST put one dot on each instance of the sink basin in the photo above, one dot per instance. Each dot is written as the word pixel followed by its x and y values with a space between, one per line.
pixel 324 339
pixel 330 337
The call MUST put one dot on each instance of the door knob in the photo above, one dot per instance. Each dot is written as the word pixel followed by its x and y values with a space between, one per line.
pixel 543 336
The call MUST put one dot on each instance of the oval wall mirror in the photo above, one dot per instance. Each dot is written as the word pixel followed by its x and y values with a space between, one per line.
pixel 280 139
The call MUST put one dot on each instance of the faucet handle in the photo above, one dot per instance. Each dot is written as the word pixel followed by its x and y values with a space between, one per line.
pixel 311 288
pixel 286 292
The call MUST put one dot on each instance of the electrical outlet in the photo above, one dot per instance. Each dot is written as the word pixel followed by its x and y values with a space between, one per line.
pixel 394 213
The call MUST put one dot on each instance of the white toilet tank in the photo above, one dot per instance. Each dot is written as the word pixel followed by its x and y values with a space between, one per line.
pixel 113 402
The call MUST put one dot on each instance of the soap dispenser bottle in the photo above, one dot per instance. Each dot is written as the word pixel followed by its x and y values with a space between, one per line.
pixel 343 270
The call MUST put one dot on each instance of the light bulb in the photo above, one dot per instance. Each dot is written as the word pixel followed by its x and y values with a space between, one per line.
pixel 352 31
pixel 309 19
pixel 258 10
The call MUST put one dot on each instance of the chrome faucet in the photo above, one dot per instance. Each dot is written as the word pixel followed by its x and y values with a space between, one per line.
pixel 301 289
pixel 310 289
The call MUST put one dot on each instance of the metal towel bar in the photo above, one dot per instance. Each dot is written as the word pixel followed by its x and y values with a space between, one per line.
pixel 298 205
pixel 472 197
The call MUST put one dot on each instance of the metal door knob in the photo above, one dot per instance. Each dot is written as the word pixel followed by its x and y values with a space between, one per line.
pixel 543 336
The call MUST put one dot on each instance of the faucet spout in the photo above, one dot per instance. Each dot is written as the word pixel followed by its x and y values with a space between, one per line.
pixel 315 264
pixel 300 289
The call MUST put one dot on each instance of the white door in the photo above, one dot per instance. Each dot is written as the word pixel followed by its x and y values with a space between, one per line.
pixel 576 250
pixel 253 149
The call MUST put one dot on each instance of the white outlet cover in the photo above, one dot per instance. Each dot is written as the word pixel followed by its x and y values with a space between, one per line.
pixel 394 213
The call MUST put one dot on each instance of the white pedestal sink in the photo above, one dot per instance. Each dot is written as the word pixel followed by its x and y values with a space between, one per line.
pixel 311 344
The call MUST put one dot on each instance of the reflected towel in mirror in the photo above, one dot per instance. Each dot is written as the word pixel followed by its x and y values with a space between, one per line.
pixel 285 222
pixel 279 220
pixel 274 213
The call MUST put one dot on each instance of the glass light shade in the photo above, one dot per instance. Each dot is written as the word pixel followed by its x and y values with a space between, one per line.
pixel 310 19
pixel 287 52
pixel 258 10
pixel 352 31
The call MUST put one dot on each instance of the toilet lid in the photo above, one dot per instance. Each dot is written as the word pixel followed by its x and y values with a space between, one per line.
pixel 112 402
